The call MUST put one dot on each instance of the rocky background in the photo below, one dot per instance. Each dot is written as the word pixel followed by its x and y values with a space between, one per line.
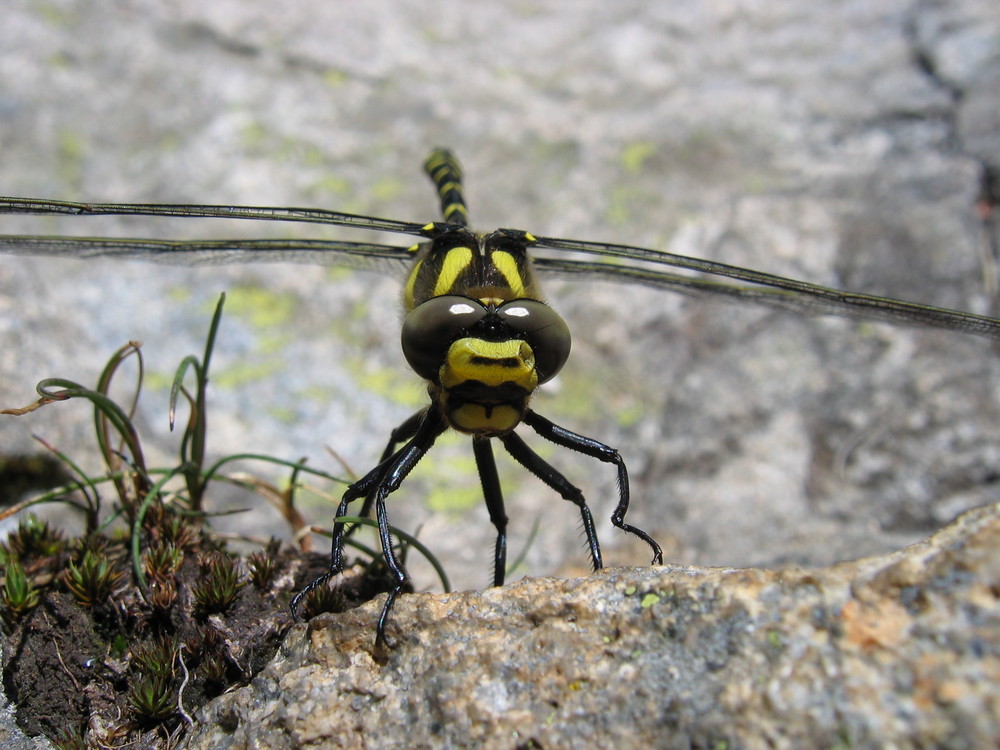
pixel 846 143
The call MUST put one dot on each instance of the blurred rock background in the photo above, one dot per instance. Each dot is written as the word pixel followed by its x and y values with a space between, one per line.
pixel 846 143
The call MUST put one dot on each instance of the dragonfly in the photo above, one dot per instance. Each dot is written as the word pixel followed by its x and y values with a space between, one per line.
pixel 476 328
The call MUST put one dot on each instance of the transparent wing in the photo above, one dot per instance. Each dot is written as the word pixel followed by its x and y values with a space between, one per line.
pixel 387 258
pixel 257 213
pixel 618 263
pixel 764 289
pixel 364 255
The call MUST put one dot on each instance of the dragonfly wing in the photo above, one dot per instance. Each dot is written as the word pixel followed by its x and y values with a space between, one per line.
pixel 42 206
pixel 777 292
pixel 368 256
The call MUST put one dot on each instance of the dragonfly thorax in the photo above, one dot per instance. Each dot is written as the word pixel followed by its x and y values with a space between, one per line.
pixel 460 261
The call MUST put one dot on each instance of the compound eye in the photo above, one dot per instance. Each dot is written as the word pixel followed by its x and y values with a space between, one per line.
pixel 431 327
pixel 545 332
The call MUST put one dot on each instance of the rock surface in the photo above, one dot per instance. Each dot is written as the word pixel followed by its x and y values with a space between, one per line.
pixel 901 650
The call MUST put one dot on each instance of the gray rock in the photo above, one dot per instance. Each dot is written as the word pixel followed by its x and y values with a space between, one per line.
pixel 901 650
pixel 11 736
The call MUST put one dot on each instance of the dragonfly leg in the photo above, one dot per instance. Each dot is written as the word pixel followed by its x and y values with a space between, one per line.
pixel 400 435
pixel 534 463
pixel 395 471
pixel 337 548
pixel 487 467
pixel 607 454
pixel 379 483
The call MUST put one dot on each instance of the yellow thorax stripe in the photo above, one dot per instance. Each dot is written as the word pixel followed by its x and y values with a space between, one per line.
pixel 454 263
pixel 504 262
pixel 411 283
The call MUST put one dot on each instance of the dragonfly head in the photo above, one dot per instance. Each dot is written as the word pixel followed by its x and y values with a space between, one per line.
pixel 484 360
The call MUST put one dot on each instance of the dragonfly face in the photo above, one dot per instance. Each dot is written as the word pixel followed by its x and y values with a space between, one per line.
pixel 477 330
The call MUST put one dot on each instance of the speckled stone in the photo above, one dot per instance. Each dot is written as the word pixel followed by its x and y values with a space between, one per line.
pixel 901 650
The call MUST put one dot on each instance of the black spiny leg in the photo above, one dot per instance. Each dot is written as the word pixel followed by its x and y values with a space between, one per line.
pixel 400 435
pixel 538 466
pixel 380 482
pixel 600 451
pixel 494 503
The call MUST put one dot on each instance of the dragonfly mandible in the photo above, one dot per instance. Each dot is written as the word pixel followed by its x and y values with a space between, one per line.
pixel 476 329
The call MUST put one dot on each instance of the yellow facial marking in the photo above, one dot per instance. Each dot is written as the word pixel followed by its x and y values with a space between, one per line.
pixel 504 262
pixel 492 363
pixel 456 261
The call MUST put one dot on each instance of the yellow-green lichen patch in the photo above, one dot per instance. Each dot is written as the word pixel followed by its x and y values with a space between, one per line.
pixel 386 188
pixel 282 414
pixel 635 156
pixel 392 384
pixel 247 371
pixel 331 186
pixel 178 294
pixel 449 498
pixel 334 78
pixel 260 307
pixel 253 135
pixel 583 388
pixel 71 148
pixel 648 600
pixel 453 484
pixel 55 15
